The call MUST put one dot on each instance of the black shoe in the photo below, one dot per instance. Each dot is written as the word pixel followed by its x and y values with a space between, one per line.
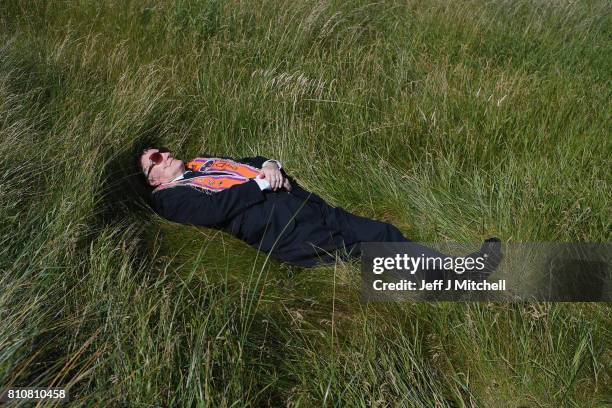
pixel 492 254
pixel 491 248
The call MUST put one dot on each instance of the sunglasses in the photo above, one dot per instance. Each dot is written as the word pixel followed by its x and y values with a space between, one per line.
pixel 157 158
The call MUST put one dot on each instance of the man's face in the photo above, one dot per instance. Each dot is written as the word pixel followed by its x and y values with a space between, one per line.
pixel 168 169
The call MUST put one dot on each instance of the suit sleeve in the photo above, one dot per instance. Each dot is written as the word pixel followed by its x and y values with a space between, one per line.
pixel 298 190
pixel 186 205
pixel 256 161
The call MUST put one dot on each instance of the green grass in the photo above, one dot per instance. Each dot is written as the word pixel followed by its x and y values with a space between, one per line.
pixel 453 120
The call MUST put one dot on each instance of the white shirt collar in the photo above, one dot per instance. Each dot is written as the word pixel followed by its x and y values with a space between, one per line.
pixel 178 177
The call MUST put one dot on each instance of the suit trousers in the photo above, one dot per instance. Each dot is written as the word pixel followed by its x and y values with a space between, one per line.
pixel 323 232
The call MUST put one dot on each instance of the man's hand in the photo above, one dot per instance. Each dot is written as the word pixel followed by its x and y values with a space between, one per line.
pixel 273 175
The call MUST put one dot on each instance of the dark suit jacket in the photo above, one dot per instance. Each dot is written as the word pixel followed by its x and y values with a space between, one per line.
pixel 264 219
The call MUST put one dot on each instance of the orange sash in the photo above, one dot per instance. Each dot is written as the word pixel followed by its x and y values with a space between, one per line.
pixel 220 174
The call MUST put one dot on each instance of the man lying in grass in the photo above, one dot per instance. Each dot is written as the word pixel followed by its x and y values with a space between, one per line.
pixel 255 200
